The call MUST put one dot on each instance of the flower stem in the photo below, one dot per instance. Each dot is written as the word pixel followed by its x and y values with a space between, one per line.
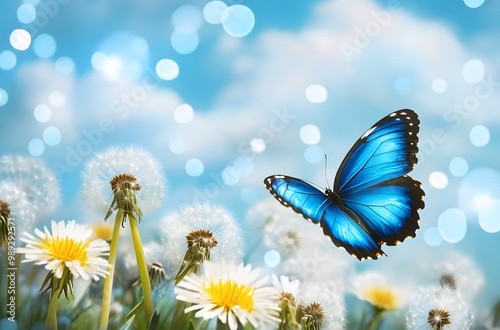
pixel 377 316
pixel 108 281
pixel 143 269
pixel 54 303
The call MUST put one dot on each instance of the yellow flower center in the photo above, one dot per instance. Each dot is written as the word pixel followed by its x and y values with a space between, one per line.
pixel 228 294
pixel 103 231
pixel 382 297
pixel 67 249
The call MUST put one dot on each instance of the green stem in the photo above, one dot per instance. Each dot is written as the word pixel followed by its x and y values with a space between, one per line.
pixel 376 318
pixel 54 303
pixel 143 269
pixel 108 281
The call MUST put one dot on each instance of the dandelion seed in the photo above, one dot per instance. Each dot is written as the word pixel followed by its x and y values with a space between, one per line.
pixel 126 178
pixel 232 293
pixel 30 179
pixel 209 227
pixel 438 308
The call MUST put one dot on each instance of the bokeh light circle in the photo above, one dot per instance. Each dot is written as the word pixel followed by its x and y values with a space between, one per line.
pixel 8 60
pixel 432 236
pixel 42 113
pixel 452 225
pixel 20 39
pixel 194 167
pixel 272 258
pixel 438 180
pixel 183 113
pixel 184 41
pixel 316 93
pixel 473 3
pixel 310 134
pixel 64 65
pixel 479 136
pixel 459 166
pixel 177 145
pixel 314 154
pixel 57 99
pixel 489 217
pixel 36 147
pixel 439 85
pixel 258 145
pixel 4 97
pixel 167 69
pixel 213 10
pixel 477 189
pixel 403 85
pixel 97 60
pixel 473 71
pixel 26 13
pixel 52 136
pixel 238 20
pixel 187 17
pixel 44 46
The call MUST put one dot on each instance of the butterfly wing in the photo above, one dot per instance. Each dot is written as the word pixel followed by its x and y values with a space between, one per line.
pixel 372 181
pixel 339 223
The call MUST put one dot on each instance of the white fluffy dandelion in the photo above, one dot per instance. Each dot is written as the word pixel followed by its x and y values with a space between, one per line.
pixel 140 171
pixel 438 308
pixel 33 180
pixel 232 293
pixel 458 272
pixel 67 246
pixel 322 308
pixel 19 208
pixel 207 222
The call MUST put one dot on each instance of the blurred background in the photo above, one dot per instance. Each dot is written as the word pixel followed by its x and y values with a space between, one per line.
pixel 224 94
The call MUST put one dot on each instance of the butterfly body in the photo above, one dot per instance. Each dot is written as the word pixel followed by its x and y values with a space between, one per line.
pixel 373 201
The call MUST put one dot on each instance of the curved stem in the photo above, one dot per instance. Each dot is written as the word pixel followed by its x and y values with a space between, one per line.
pixel 52 312
pixel 143 269
pixel 108 281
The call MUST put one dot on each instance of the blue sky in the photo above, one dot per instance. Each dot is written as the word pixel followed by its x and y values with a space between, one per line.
pixel 371 57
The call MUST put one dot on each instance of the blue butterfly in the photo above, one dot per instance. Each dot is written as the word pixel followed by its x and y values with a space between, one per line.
pixel 373 201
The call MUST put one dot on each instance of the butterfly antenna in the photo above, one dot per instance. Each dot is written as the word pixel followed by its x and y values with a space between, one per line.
pixel 326 167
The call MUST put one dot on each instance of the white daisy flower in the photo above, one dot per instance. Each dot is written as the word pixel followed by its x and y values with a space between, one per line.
pixel 208 225
pixel 375 289
pixel 120 169
pixel 232 293
pixel 320 307
pixel 283 284
pixel 438 308
pixel 288 291
pixel 33 179
pixel 69 246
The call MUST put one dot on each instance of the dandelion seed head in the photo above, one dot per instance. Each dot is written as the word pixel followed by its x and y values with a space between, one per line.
pixel 438 307
pixel 32 180
pixel 201 218
pixel 19 208
pixel 325 307
pixel 119 168
pixel 456 271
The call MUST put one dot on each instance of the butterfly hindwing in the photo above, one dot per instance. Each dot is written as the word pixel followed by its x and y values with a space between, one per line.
pixel 314 205
pixel 390 209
